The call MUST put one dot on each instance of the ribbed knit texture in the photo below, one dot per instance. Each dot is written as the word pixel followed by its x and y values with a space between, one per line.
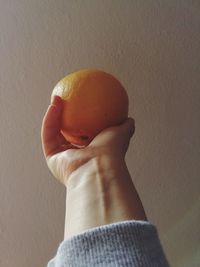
pixel 127 243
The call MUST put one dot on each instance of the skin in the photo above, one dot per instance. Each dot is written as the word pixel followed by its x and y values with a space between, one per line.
pixel 99 188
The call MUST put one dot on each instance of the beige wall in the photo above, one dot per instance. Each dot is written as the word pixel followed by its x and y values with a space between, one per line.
pixel 153 48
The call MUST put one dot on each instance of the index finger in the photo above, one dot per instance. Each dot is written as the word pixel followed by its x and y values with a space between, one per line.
pixel 52 139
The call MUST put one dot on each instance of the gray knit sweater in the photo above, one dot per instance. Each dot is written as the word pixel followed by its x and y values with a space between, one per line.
pixel 125 244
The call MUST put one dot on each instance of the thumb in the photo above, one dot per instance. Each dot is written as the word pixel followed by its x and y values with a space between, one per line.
pixel 127 129
pixel 124 132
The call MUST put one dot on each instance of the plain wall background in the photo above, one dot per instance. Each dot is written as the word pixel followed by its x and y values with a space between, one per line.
pixel 153 48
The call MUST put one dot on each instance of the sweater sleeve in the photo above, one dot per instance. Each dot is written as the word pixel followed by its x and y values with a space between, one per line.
pixel 127 244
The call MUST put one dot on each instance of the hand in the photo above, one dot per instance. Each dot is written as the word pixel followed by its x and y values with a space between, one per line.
pixel 63 158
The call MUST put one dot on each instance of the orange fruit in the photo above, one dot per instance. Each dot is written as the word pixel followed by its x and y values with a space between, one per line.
pixel 93 100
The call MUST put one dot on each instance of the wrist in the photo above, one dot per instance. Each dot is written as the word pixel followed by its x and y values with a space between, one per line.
pixel 103 164
pixel 100 192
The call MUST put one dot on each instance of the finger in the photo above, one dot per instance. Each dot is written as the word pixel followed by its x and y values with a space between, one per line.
pixel 52 139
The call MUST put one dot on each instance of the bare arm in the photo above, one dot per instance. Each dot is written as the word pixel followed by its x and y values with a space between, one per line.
pixel 100 192
pixel 101 198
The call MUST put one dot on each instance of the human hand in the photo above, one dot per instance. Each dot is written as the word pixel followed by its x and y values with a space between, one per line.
pixel 64 158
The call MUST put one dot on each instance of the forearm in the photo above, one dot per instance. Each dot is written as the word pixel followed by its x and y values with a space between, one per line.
pixel 100 192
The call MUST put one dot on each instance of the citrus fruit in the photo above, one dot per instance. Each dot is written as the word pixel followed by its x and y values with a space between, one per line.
pixel 93 100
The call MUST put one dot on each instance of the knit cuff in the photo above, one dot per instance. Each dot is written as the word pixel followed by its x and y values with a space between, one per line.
pixel 127 243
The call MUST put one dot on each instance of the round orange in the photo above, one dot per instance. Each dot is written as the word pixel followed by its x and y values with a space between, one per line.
pixel 93 100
